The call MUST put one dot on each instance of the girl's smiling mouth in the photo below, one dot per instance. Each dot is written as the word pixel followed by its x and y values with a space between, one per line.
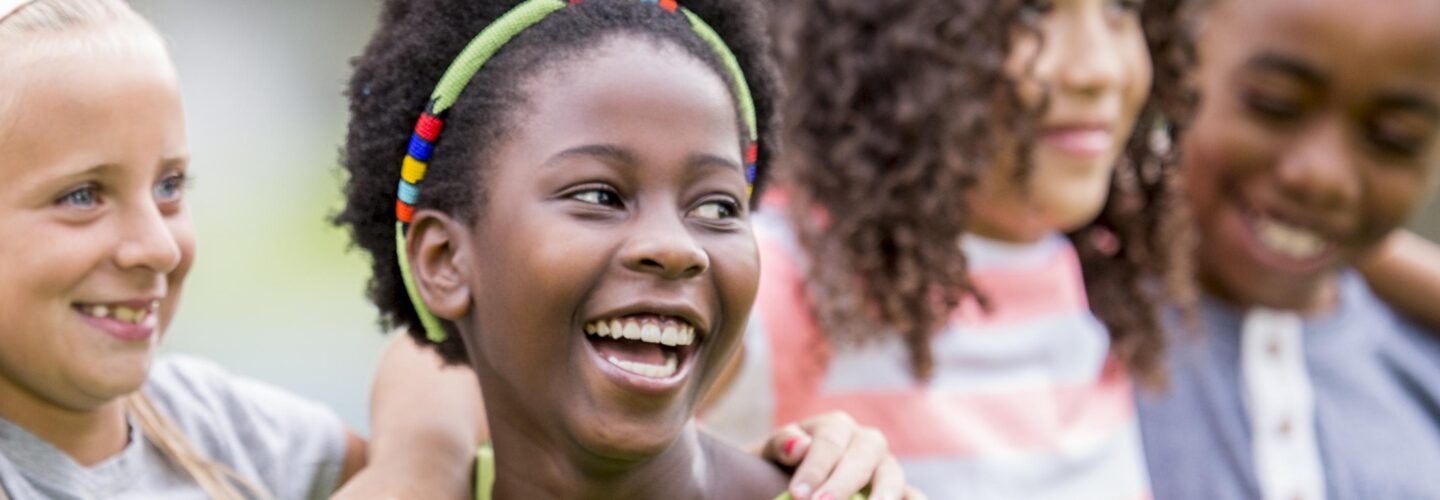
pixel 647 351
pixel 127 320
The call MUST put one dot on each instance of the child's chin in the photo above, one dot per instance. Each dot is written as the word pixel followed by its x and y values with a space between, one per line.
pixel 630 442
pixel 116 377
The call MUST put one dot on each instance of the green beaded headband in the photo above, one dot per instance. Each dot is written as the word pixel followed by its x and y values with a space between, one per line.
pixel 458 75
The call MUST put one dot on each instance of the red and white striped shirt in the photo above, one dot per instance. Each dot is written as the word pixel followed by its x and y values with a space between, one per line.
pixel 1026 401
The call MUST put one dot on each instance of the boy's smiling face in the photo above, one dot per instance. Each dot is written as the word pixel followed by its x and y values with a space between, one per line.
pixel 1316 136
pixel 617 198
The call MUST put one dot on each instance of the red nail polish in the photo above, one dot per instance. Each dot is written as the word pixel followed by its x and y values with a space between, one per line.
pixel 790 445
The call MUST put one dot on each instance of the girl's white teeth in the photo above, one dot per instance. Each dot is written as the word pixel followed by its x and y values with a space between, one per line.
pixel 668 332
pixel 650 333
pixel 1288 240
pixel 648 370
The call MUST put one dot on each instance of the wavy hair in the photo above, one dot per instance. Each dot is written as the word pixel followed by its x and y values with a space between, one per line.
pixel 895 113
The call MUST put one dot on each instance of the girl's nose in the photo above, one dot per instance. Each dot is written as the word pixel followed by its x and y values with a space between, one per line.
pixel 147 242
pixel 664 247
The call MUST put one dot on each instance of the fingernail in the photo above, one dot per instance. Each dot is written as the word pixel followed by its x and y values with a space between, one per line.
pixel 801 491
pixel 825 496
pixel 790 445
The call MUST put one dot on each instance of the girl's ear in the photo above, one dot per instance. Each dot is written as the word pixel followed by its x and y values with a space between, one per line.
pixel 439 249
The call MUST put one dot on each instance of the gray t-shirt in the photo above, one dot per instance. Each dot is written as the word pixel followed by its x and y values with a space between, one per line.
pixel 291 447
pixel 1376 382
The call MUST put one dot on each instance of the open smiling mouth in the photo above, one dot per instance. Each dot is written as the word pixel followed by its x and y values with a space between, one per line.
pixel 1290 244
pixel 648 346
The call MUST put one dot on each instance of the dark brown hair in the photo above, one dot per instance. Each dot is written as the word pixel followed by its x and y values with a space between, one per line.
pixel 896 111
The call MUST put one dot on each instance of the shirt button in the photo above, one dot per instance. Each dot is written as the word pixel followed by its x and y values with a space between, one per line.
pixel 1284 427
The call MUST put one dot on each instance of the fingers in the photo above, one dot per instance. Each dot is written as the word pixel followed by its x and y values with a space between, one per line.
pixel 889 481
pixel 862 463
pixel 830 438
pixel 786 446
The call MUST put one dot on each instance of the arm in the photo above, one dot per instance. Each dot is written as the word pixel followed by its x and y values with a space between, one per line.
pixel 355 448
pixel 1405 271
pixel 426 418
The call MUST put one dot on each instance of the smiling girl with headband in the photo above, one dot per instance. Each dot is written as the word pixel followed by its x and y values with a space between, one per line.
pixel 572 220
pixel 93 150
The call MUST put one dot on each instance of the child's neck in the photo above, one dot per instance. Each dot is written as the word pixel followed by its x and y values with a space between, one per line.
pixel 534 459
pixel 528 465
pixel 87 436
pixel 1006 219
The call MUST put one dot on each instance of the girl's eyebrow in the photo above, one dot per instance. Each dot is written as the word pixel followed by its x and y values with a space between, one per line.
pixel 105 169
pixel 613 153
pixel 1288 65
pixel 175 162
pixel 620 155
pixel 1410 102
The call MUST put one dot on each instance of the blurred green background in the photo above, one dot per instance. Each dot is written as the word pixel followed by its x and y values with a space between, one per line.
pixel 275 293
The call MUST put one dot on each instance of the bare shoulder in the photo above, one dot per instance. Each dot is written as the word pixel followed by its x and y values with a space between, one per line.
pixel 737 475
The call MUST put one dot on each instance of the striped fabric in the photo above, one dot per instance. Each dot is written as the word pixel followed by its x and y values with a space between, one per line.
pixel 1026 402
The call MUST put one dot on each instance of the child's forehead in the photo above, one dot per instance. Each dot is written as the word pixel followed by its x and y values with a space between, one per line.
pixel 1383 25
pixel 1357 52
pixel 83 108
pixel 631 92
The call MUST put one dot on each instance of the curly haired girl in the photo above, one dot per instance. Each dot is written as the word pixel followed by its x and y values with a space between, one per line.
pixel 976 203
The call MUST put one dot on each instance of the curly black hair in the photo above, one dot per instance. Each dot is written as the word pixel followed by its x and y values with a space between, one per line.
pixel 415 42
pixel 896 113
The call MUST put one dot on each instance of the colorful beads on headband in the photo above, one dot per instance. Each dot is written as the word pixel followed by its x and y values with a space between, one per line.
pixel 668 5
pixel 417 161
pixel 457 76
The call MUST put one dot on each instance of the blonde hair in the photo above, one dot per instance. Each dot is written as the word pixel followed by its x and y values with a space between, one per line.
pixel 18 31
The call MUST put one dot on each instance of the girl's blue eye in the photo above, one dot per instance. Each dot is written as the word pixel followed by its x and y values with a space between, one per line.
pixel 170 188
pixel 716 210
pixel 87 196
pixel 603 197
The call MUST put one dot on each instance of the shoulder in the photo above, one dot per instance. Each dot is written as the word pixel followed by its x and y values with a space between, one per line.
pixel 294 446
pixel 1362 310
pixel 187 387
pixel 197 394
pixel 739 475
pixel 1402 343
